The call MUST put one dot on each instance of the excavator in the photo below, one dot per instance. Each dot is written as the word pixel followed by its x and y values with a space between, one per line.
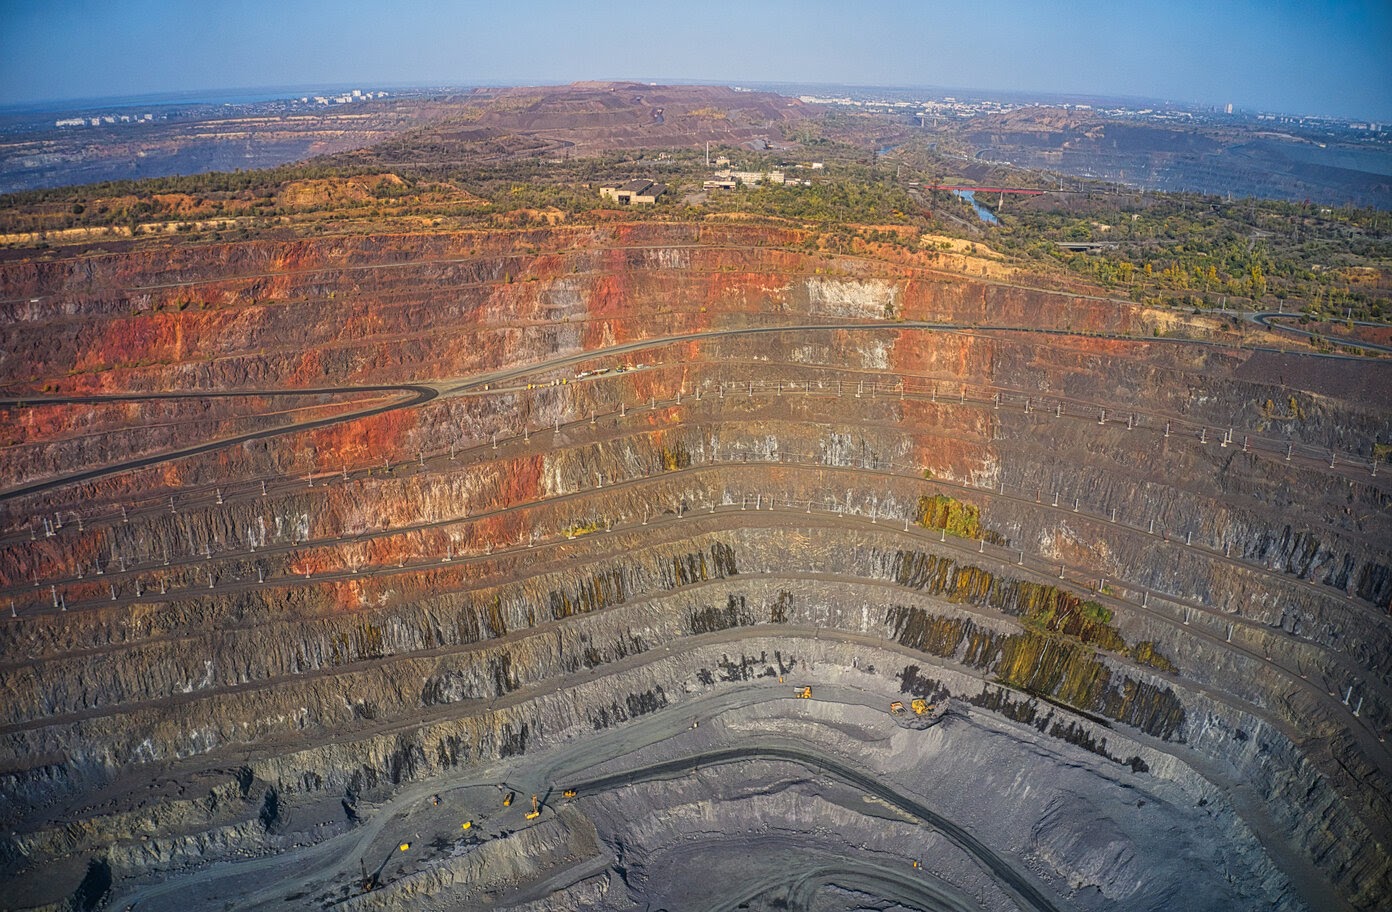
pixel 919 706
pixel 372 881
pixel 536 809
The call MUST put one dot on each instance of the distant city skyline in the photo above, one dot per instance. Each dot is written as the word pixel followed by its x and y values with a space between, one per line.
pixel 1323 58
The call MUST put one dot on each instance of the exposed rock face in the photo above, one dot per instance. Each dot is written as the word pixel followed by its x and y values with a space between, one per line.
pixel 589 508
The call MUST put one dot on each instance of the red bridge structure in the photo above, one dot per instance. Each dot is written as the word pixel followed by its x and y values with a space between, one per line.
pixel 1021 191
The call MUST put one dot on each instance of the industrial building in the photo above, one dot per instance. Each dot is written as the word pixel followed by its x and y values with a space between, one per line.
pixel 752 178
pixel 636 192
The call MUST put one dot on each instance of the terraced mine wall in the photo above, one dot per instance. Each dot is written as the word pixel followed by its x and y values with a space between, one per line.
pixel 535 505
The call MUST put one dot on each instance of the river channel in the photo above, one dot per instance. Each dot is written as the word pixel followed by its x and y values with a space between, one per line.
pixel 986 215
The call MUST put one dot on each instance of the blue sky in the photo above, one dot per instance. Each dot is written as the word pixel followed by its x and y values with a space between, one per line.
pixel 1332 57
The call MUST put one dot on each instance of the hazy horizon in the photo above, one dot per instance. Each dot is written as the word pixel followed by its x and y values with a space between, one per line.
pixel 272 92
pixel 1328 58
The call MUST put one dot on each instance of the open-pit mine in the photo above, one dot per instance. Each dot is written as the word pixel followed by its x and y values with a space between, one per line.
pixel 683 565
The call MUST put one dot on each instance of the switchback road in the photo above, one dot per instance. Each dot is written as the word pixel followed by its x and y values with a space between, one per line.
pixel 422 393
